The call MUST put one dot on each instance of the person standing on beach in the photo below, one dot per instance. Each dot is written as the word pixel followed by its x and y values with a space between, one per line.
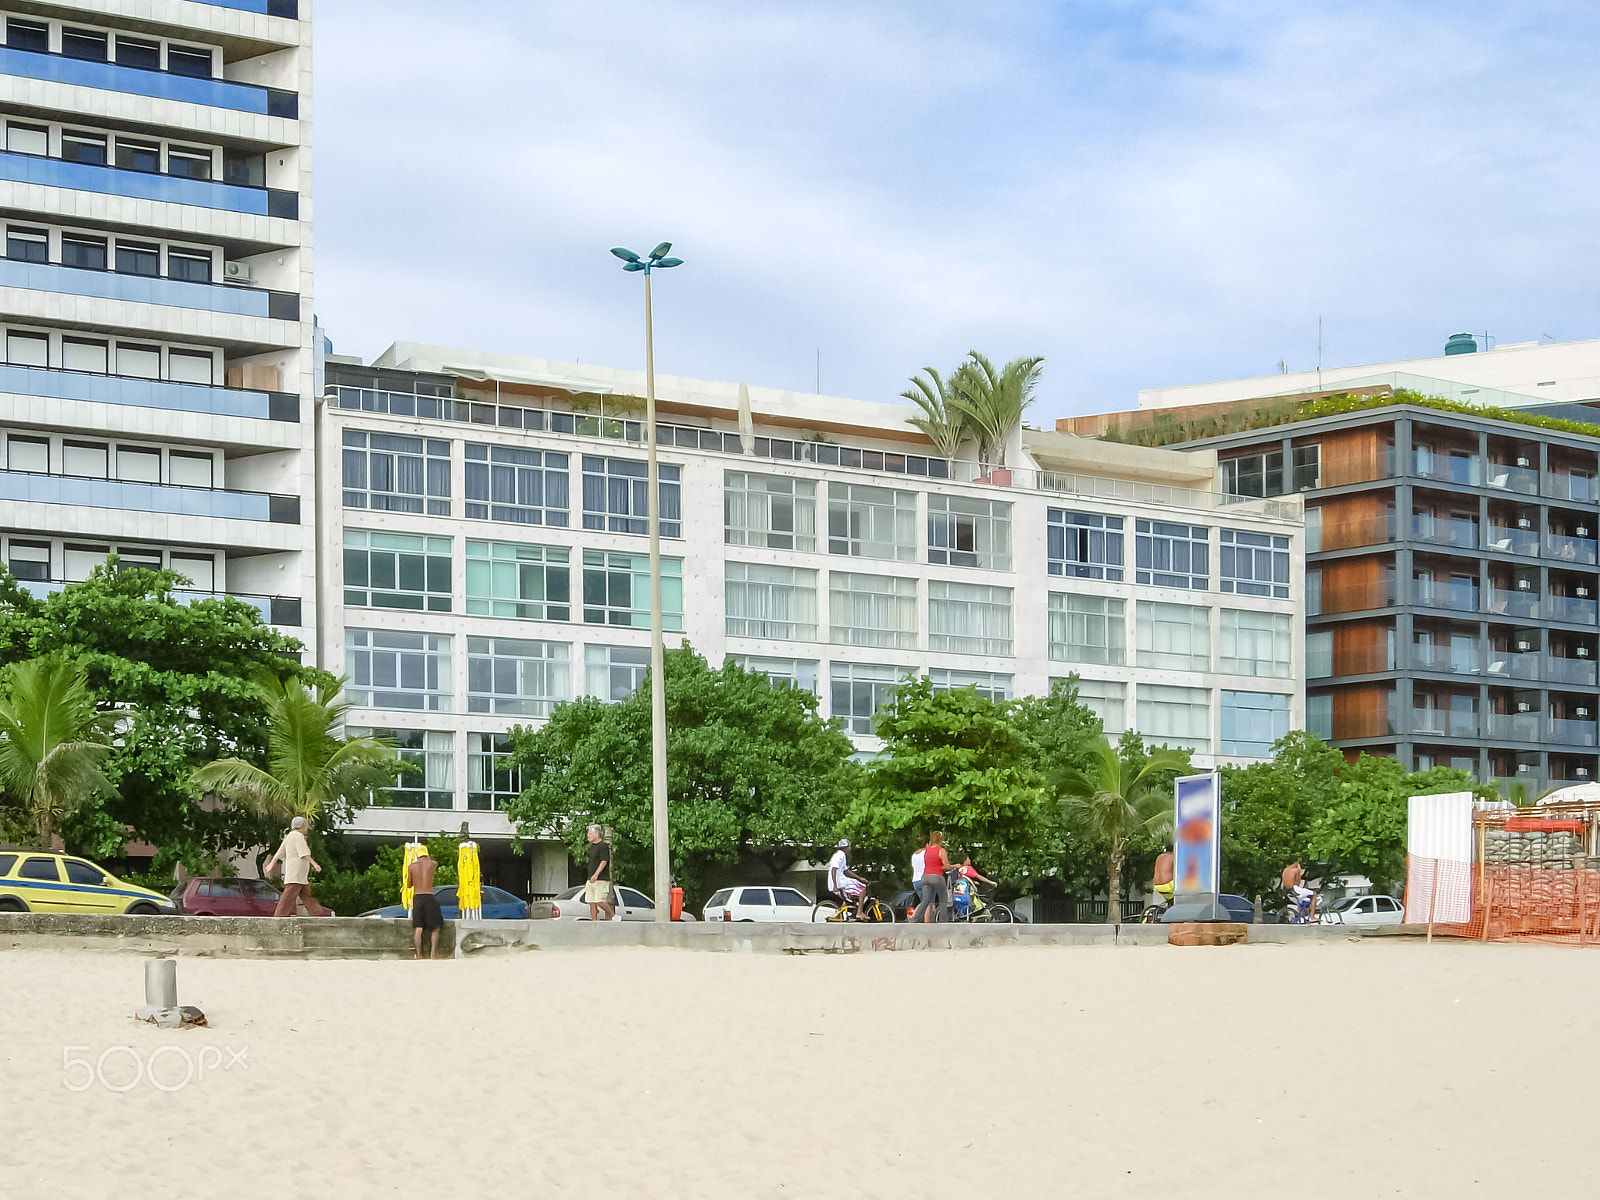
pixel 298 864
pixel 425 910
pixel 935 891
pixel 597 889
pixel 916 876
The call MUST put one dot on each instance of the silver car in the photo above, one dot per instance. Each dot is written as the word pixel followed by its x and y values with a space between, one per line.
pixel 632 905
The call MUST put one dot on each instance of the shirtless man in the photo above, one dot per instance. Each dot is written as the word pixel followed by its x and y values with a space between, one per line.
pixel 1294 883
pixel 425 912
pixel 1163 876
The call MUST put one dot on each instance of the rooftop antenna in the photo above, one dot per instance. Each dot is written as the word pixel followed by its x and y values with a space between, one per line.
pixel 1283 367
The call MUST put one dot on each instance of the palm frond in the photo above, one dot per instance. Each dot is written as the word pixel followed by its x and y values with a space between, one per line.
pixel 945 426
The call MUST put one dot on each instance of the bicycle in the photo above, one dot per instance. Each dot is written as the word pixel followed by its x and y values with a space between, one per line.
pixel 873 911
pixel 967 904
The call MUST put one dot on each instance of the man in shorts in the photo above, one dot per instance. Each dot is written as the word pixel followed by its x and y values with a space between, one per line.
pixel 597 888
pixel 1163 877
pixel 425 911
pixel 843 881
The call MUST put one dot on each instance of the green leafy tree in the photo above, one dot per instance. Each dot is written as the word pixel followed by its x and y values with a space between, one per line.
pixel 1124 794
pixel 1268 810
pixel 52 758
pixel 946 425
pixel 953 761
pixel 311 771
pixel 752 772
pixel 994 400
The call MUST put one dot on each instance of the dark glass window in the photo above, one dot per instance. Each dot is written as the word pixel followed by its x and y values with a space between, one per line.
pixel 6 860
pixel 27 245
pixel 1083 545
pixel 134 52
pixel 84 148
pixel 138 258
pixel 84 873
pixel 40 868
pixel 755 896
pixel 28 35
pixel 191 162
pixel 29 561
pixel 244 169
pixel 194 62
pixel 88 44
pixel 138 156
pixel 80 251
pixel 195 268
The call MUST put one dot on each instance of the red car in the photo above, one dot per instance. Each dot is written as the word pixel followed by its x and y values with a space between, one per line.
pixel 225 898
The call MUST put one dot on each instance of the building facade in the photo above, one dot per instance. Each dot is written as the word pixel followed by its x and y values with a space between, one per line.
pixel 155 186
pixel 1451 579
pixel 484 557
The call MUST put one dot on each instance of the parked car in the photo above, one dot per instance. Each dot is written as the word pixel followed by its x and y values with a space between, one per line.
pixel 43 881
pixel 217 897
pixel 1367 911
pixel 1237 907
pixel 498 905
pixel 764 903
pixel 633 905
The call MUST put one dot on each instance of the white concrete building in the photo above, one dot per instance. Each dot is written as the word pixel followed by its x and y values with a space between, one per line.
pixel 155 187
pixel 486 517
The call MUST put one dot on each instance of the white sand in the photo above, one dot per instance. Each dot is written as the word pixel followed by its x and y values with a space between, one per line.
pixel 1342 1070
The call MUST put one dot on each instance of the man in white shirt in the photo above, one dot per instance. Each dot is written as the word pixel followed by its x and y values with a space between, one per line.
pixel 916 873
pixel 297 867
pixel 844 882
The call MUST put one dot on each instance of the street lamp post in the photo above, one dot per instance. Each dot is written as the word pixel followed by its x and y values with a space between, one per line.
pixel 658 684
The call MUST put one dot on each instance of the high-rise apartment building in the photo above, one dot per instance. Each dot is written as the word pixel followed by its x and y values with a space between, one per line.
pixel 484 558
pixel 155 295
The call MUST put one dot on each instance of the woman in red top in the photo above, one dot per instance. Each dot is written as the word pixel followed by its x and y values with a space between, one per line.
pixel 935 891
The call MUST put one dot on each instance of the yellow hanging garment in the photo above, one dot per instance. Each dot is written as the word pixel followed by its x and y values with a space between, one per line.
pixel 469 878
pixel 413 852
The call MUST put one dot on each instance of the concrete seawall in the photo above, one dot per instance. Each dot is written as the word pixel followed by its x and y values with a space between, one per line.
pixel 356 937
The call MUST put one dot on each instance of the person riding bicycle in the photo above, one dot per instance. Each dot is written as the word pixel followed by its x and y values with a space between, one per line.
pixel 843 880
pixel 1163 877
pixel 1294 883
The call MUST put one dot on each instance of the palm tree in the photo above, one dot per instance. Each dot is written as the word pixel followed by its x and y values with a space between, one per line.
pixel 994 401
pixel 1111 801
pixel 946 426
pixel 309 769
pixel 50 759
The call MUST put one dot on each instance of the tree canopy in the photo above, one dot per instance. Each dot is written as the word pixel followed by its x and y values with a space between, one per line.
pixel 1268 810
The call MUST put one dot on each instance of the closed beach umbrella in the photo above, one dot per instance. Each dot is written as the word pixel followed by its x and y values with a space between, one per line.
pixel 469 881
pixel 413 852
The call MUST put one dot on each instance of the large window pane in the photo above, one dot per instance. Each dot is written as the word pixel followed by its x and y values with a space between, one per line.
pixel 965 532
pixel 991 684
pixel 1254 643
pixel 872 610
pixel 517 678
pixel 872 522
pixel 392 669
pixel 616 496
pixel 616 590
pixel 493 779
pixel 1176 556
pixel 1088 629
pixel 1175 716
pixel 1083 545
pixel 528 487
pixel 1254 564
pixel 428 757
pixel 396 474
pixel 505 579
pixel 859 690
pixel 1252 722
pixel 769 510
pixel 1173 637
pixel 771 602
pixel 614 673
pixel 781 672
pixel 392 570
pixel 1107 700
pixel 966 618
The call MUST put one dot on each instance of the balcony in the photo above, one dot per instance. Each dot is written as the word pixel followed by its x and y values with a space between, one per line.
pixel 1570 608
pixel 1455 597
pixel 25 487
pixel 1569 549
pixel 1513 727
pixel 1524 480
pixel 275 610
pixel 147 185
pixel 1581 671
pixel 1445 531
pixel 1506 665
pixel 1444 467
pixel 1516 603
pixel 1506 539
pixel 1518 787
pixel 149 289
pixel 159 85
pixel 1461 656
pixel 1559 485
pixel 1571 733
pixel 267 8
pixel 1442 722
pixel 57 384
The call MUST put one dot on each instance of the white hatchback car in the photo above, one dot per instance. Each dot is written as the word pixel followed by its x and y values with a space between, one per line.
pixel 632 905
pixel 762 903
pixel 1365 910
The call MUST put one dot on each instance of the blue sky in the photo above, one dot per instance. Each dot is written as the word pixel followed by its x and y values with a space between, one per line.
pixel 1146 194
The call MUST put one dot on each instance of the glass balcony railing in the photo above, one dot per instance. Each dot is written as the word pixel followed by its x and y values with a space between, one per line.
pixel 147 185
pixel 149 289
pixel 170 499
pixel 1513 479
pixel 1559 485
pixel 160 85
pixel 1463 656
pixel 57 384
pixel 1456 598
pixel 1505 665
pixel 1515 603
pixel 1518 787
pixel 1445 531
pixel 1570 608
pixel 1567 732
pixel 1463 469
pixel 1513 727
pixel 274 610
pixel 1581 671
pixel 1449 722
pixel 1507 539
pixel 1562 548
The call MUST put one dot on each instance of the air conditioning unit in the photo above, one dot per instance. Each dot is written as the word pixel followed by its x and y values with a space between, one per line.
pixel 1581 531
pixel 1580 772
pixel 1524 523
pixel 1583 652
pixel 1524 647
pixel 1524 585
pixel 1583 592
pixel 1523 462
pixel 1582 712
pixel 1523 706
pixel 238 272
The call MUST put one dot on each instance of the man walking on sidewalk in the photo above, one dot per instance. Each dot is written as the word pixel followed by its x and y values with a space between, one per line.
pixel 597 891
pixel 298 864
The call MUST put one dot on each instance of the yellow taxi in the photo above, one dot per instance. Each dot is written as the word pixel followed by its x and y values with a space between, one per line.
pixel 43 881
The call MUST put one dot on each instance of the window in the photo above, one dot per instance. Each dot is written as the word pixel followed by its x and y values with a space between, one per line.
pixel 872 522
pixel 616 497
pixel 771 602
pixel 533 583
pixel 386 472
pixel 1107 700
pixel 1252 721
pixel 1169 555
pixel 391 669
pixel 79 250
pixel 192 266
pixel 872 610
pixel 968 618
pixel 133 558
pixel 244 169
pixel 87 44
pixel 29 561
pixel 83 147
pixel 84 874
pixel 1175 716
pixel 616 589
pixel 88 459
pixel 189 60
pixel 142 362
pixel 28 454
pixel 1254 564
pixel 1084 545
pixel 614 673
pixel 189 366
pixel 138 156
pixel 512 677
pixel 200 571
pixel 781 672
pixel 135 52
pixel 769 510
pixel 139 465
pixel 493 781
pixel 789 898
pixel 138 258
pixel 990 684
pixel 1253 474
pixel 429 759
pixel 190 162
pixel 28 349
pixel 42 869
pixel 83 354
pixel 27 139
pixel 189 470
pixel 528 487
pixel 27 245
pixel 28 35
pixel 859 691
pixel 1254 643
pixel 81 561
pixel 964 532
pixel 393 570
pixel 757 896
pixel 1087 629
pixel 1173 637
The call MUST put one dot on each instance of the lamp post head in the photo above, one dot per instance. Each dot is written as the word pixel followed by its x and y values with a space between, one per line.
pixel 669 262
pixel 658 258
pixel 635 266
pixel 661 251
pixel 625 254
